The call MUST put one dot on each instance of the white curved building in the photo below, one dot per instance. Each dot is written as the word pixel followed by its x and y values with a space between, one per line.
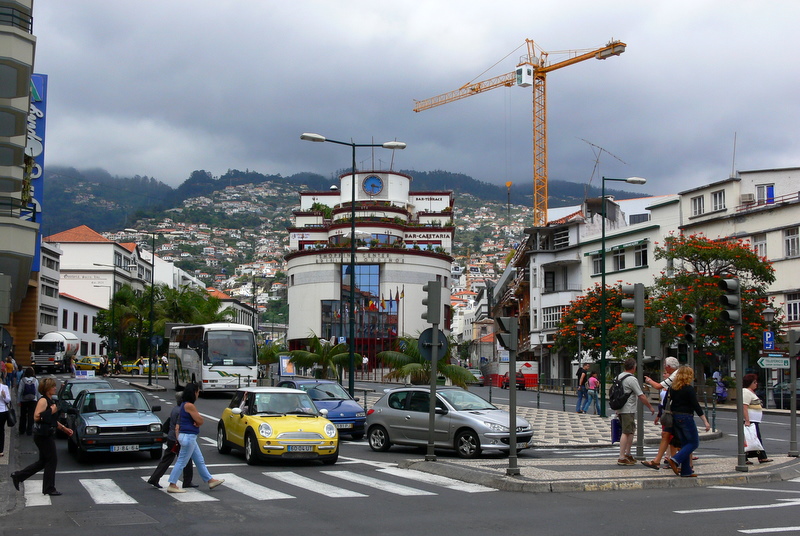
pixel 403 240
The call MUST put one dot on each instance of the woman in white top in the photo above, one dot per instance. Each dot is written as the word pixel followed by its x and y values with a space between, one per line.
pixel 5 403
pixel 753 413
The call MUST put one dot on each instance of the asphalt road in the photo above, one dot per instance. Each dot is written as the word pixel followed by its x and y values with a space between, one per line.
pixel 365 494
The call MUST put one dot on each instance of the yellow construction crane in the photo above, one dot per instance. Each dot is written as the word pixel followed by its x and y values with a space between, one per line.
pixel 531 71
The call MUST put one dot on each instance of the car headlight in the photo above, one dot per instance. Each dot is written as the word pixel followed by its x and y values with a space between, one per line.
pixel 265 429
pixel 494 427
pixel 361 414
pixel 90 430
pixel 330 430
pixel 155 427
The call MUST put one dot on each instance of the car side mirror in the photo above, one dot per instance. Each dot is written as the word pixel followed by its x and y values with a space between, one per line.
pixel 324 412
pixel 237 411
pixel 357 399
pixel 155 409
pixel 441 411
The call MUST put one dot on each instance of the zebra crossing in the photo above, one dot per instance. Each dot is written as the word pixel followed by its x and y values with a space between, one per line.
pixel 268 485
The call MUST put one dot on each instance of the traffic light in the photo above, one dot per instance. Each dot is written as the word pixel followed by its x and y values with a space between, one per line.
pixel 690 328
pixel 507 332
pixel 636 303
pixel 794 342
pixel 433 302
pixel 731 300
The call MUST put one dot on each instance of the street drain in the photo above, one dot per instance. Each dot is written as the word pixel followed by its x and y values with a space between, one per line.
pixel 98 518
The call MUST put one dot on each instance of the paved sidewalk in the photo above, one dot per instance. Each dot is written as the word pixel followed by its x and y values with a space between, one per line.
pixel 558 429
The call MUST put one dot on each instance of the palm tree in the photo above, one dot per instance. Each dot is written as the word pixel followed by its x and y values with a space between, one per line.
pixel 325 354
pixel 407 362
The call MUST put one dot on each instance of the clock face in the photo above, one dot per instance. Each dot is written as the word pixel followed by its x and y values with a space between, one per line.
pixel 372 185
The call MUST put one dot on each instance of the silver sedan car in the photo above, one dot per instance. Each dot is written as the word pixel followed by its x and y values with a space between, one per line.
pixel 464 422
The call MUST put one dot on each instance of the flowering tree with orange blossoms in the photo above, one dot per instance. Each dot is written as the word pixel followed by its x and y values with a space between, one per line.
pixel 691 286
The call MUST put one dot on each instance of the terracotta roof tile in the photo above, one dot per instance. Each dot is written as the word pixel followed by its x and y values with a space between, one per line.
pixel 82 233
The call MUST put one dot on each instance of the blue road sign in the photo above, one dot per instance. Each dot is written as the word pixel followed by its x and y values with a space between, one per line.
pixel 769 340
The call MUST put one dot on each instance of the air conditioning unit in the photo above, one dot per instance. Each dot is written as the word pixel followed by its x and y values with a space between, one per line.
pixel 747 199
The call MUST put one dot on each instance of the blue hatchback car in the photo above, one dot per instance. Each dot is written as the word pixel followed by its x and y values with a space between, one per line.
pixel 343 411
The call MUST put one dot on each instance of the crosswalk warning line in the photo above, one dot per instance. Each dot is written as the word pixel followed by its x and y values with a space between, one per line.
pixel 191 495
pixel 310 484
pixel 383 485
pixel 445 482
pixel 34 495
pixel 251 489
pixel 106 491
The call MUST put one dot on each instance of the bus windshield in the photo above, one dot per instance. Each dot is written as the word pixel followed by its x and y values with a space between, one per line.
pixel 230 348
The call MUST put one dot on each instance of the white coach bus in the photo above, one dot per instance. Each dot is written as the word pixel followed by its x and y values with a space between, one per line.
pixel 217 357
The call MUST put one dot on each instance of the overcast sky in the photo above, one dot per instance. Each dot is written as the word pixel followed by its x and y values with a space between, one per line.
pixel 162 88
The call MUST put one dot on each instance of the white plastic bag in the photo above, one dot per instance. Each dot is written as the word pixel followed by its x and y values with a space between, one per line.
pixel 751 442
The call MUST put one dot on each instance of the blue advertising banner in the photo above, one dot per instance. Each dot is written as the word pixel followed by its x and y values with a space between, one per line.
pixel 35 151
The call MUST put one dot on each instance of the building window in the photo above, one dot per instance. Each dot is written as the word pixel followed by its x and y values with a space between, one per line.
pixel 48 320
pixel 792 241
pixel 619 259
pixel 640 255
pixel 638 218
pixel 793 307
pixel 718 200
pixel 85 324
pixel 597 264
pixel 698 205
pixel 551 317
pixel 759 242
pixel 765 193
pixel 64 319
pixel 549 281
pixel 75 321
pixel 118 259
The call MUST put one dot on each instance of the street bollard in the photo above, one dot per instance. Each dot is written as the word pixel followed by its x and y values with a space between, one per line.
pixel 563 397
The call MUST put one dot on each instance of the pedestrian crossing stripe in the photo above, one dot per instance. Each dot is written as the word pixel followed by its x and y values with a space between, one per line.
pixel 310 484
pixel 192 494
pixel 383 485
pixel 443 481
pixel 34 495
pixel 106 491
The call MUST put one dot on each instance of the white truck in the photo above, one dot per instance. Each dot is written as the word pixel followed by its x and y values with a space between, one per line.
pixel 53 351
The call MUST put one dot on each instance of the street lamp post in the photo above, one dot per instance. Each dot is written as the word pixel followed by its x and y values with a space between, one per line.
pixel 603 328
pixel 308 136
pixel 541 360
pixel 152 305
pixel 111 338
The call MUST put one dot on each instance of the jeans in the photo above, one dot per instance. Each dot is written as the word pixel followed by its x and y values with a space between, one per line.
pixel 189 449
pixel 591 395
pixel 581 396
pixel 685 428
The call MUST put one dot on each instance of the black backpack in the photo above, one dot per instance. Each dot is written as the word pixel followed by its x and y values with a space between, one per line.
pixel 29 390
pixel 617 395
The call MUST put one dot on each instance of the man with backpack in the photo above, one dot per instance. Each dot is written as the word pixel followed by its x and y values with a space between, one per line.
pixel 27 394
pixel 627 413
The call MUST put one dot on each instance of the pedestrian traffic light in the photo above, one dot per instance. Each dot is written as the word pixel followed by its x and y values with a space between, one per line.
pixel 689 328
pixel 433 302
pixel 636 316
pixel 794 342
pixel 731 301
pixel 507 329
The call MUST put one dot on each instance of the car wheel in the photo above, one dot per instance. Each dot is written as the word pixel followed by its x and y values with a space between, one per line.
pixel 379 439
pixel 357 437
pixel 222 446
pixel 467 445
pixel 134 372
pixel 155 454
pixel 330 460
pixel 250 449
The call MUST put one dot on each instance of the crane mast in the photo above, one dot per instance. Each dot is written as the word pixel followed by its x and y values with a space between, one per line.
pixel 530 72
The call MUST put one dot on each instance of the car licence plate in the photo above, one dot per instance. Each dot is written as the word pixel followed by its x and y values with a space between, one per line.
pixel 521 445
pixel 124 448
pixel 344 425
pixel 300 448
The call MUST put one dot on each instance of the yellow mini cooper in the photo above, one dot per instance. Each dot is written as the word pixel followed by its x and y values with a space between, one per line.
pixel 274 423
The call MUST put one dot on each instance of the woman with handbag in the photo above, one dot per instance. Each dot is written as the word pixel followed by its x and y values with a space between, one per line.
pixel 684 406
pixel 5 409
pixel 753 413
pixel 45 418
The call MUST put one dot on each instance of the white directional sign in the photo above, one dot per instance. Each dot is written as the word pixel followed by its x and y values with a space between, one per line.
pixel 774 362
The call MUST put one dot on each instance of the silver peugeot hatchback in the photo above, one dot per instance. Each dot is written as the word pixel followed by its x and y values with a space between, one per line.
pixel 464 422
